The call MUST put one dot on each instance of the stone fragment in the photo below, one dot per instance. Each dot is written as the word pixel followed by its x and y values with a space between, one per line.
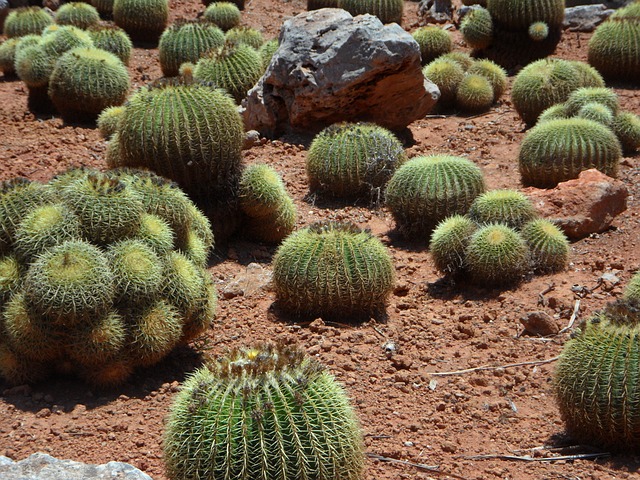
pixel 41 466
pixel 539 323
pixel 248 282
pixel 333 67
pixel 581 206
pixel 585 18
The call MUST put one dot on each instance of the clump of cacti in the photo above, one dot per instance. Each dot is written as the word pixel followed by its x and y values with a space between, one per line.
pixel 235 67
pixel 388 11
pixel 433 42
pixel 289 414
pixel 108 36
pixel 493 72
pixel 83 275
pixel 447 75
pixel 614 48
pixel 247 35
pixel 78 14
pixel 596 378
pixel 26 20
pixel 187 41
pixel 270 211
pixel 143 20
pixel 558 150
pixel 332 270
pixel 225 15
pixel 85 81
pixel 426 190
pixel 585 95
pixel 351 159
pixel 513 32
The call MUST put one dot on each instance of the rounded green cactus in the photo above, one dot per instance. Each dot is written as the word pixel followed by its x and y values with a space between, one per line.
pixel 201 144
pixel 78 14
pixel 447 75
pixel 541 84
pixel 426 190
pixel 85 81
pixel 143 20
pixel 614 48
pixel 8 56
pixel 351 159
pixel 225 15
pixel 184 283
pixel 11 273
pixel 104 7
pixel 589 76
pixel 247 35
pixel 549 247
pixel 107 121
pixel 554 112
pixel 261 190
pixel 433 42
pixel 155 330
pixel 156 232
pixel 474 93
pixel 235 67
pixel 44 227
pixel 100 341
pixel 519 15
pixel 108 36
pixel 626 126
pixel 26 20
pixel 275 226
pixel 34 66
pixel 477 28
pixel 493 72
pixel 137 271
pixel 317 4
pixel 538 31
pixel 461 58
pixel 596 380
pixel 597 112
pixel 291 420
pixel 632 290
pixel 58 39
pixel 332 270
pixel 558 150
pixel 187 41
pixel 449 243
pixel 388 11
pixel 582 96
pixel 508 207
pixel 267 51
pixel 497 256
pixel 69 283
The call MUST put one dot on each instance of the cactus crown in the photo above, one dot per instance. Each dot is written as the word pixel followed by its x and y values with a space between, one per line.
pixel 26 20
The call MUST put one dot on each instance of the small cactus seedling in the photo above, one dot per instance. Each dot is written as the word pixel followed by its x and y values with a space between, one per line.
pixel 85 81
pixel 541 84
pixel 626 126
pixel 447 75
pixel 585 95
pixel 614 48
pixel 507 207
pixel 549 247
pixel 449 243
pixel 596 379
pixel 263 412
pixel 349 159
pixel 388 11
pixel 426 190
pixel 187 41
pixel 247 35
pixel 433 42
pixel 497 255
pixel 632 290
pixel 558 150
pixel 474 94
pixel 493 72
pixel 235 67
pixel 538 31
pixel 78 14
pixel 107 121
pixel 143 20
pixel 26 20
pixel 477 28
pixel 332 270
pixel 108 36
pixel 225 15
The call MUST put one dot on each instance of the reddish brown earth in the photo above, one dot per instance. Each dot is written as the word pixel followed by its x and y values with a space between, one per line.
pixel 407 413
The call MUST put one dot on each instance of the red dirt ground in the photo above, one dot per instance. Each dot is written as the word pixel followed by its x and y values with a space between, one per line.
pixel 407 413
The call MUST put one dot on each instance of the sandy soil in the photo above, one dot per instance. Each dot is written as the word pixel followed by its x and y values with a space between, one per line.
pixel 408 414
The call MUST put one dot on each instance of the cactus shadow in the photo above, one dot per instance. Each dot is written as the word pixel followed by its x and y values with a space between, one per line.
pixel 278 315
pixel 63 393
pixel 452 288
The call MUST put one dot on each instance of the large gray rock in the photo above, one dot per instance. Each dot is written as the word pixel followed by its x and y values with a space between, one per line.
pixel 332 67
pixel 41 466
pixel 585 18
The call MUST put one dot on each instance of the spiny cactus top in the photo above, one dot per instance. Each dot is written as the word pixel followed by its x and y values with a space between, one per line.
pixel 433 42
pixel 225 15
pixel 508 207
pixel 142 19
pixel 596 379
pixel 189 132
pixel 78 14
pixel 263 412
pixel 26 20
pixel 334 270
pixel 108 36
pixel 348 159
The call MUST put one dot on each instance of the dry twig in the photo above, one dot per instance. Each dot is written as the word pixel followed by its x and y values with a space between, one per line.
pixel 572 320
pixel 579 456
pixel 421 466
pixel 492 367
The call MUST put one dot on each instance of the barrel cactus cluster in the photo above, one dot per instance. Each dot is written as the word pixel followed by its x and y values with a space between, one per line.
pixel 466 84
pixel 425 190
pixel 267 411
pixel 101 273
pixel 512 32
pixel 614 48
pixel 498 242
pixel 334 270
pixel 596 378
